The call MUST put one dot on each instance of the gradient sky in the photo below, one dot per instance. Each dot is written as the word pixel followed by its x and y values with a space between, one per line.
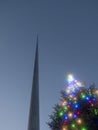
pixel 68 43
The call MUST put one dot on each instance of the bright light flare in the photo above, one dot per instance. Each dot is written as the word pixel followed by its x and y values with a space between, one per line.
pixel 70 78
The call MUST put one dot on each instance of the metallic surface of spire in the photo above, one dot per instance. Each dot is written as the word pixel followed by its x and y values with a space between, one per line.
pixel 33 123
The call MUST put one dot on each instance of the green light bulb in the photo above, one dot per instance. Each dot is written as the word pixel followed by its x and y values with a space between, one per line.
pixel 65 108
pixel 73 125
pixel 61 114
pixel 96 111
pixel 83 128
pixel 82 95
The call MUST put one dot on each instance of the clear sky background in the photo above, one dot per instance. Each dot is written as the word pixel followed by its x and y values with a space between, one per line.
pixel 68 43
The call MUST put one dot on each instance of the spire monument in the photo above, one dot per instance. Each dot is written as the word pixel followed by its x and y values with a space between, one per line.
pixel 33 123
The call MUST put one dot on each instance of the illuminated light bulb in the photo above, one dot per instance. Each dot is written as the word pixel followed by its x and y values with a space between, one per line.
pixel 74 98
pixel 79 83
pixel 60 113
pixel 70 78
pixel 76 105
pixel 65 108
pixel 68 106
pixel 68 90
pixel 73 125
pixel 96 92
pixel 70 96
pixel 87 98
pixel 64 103
pixel 78 112
pixel 92 105
pixel 96 111
pixel 83 128
pixel 65 122
pixel 65 117
pixel 75 81
pixel 94 99
pixel 83 96
pixel 70 114
pixel 65 128
pixel 79 121
pixel 74 116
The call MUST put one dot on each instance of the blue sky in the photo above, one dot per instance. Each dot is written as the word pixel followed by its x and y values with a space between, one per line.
pixel 68 43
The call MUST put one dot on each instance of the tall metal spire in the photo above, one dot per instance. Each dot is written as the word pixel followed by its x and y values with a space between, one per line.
pixel 33 123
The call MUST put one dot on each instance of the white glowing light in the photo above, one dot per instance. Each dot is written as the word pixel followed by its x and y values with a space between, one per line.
pixel 79 83
pixel 75 98
pixel 79 121
pixel 96 92
pixel 68 90
pixel 70 78
pixel 70 114
pixel 64 103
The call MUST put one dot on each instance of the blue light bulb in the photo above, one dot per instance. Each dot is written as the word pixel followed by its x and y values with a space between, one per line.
pixel 74 116
pixel 76 105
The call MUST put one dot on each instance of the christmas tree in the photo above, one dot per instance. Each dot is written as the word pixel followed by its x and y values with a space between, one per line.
pixel 78 109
